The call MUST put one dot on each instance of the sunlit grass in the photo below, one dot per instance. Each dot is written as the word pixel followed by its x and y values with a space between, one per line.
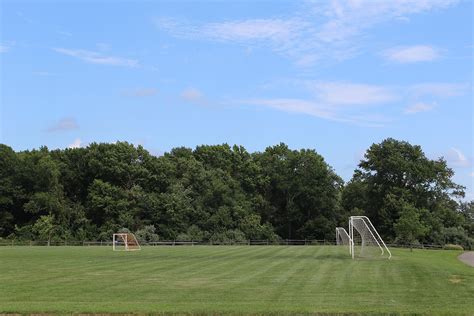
pixel 232 279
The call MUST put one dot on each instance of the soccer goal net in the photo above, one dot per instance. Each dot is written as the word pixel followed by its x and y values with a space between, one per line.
pixel 342 237
pixel 125 242
pixel 365 240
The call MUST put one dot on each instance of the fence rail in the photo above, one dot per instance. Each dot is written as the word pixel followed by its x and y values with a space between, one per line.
pixel 288 242
pixel 293 242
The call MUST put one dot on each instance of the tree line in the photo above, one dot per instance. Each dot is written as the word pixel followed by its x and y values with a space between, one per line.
pixel 223 193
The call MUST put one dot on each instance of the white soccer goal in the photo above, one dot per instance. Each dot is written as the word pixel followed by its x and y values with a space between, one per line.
pixel 365 240
pixel 343 238
pixel 125 242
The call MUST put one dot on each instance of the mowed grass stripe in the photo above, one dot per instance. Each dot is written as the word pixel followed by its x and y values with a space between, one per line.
pixel 232 279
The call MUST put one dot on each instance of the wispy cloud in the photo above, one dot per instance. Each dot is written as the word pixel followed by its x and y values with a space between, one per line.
pixel 77 143
pixel 64 124
pixel 439 89
pixel 344 93
pixel 349 18
pixel 276 30
pixel 192 95
pixel 43 73
pixel 64 33
pixel 349 102
pixel 329 29
pixel 4 48
pixel 313 108
pixel 412 54
pixel 97 58
pixel 456 158
pixel 141 92
pixel 419 107
pixel 336 101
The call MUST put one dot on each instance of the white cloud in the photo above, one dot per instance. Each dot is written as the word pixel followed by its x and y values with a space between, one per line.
pixel 419 107
pixel 439 89
pixel 343 93
pixel 356 103
pixel 348 18
pixel 44 73
pixel 283 36
pixel 313 107
pixel 456 158
pixel 4 48
pixel 77 143
pixel 412 54
pixel 332 100
pixel 294 106
pixel 97 58
pixel 64 124
pixel 277 30
pixel 142 92
pixel 328 29
pixel 192 95
pixel 472 174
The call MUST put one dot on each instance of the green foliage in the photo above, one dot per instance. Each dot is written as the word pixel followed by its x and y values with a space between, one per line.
pixel 228 237
pixel 44 227
pixel 409 227
pixel 147 233
pixel 406 195
pixel 220 192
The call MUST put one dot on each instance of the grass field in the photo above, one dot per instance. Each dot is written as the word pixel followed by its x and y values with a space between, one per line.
pixel 232 279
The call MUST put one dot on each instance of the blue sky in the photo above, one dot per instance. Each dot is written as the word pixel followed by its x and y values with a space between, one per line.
pixel 335 76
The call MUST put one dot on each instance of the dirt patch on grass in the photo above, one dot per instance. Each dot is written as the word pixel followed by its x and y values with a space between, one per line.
pixel 467 258
pixel 455 279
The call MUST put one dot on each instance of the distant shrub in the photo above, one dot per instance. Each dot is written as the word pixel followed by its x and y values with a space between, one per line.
pixel 147 233
pixel 452 247
pixel 228 237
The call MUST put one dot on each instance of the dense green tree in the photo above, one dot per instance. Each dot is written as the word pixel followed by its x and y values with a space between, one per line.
pixel 224 193
pixel 301 191
pixel 395 171
pixel 10 192
pixel 45 227
pixel 409 228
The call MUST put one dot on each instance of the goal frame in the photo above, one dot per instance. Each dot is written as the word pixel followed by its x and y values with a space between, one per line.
pixel 125 238
pixel 370 227
pixel 341 233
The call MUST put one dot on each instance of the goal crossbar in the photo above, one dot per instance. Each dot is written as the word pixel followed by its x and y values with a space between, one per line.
pixel 128 240
pixel 373 233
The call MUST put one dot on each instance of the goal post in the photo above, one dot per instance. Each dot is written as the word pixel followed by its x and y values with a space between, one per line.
pixel 125 242
pixel 364 238
pixel 343 238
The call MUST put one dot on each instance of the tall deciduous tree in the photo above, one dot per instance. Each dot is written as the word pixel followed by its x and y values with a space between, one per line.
pixel 395 171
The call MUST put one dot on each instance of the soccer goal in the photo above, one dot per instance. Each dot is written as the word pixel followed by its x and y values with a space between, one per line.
pixel 125 242
pixel 343 238
pixel 365 240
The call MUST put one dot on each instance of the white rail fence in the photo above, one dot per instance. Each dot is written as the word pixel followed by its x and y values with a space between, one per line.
pixel 287 242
